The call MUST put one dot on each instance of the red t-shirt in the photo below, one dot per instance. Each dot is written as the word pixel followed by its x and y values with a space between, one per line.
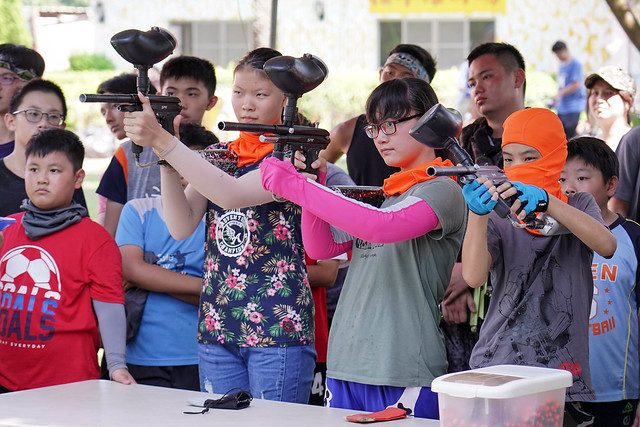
pixel 48 330
pixel 320 318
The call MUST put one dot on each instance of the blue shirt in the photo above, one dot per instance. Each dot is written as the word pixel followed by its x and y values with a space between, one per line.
pixel 613 322
pixel 574 102
pixel 167 334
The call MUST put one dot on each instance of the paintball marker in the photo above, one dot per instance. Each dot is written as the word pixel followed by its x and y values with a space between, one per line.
pixel 143 50
pixel 295 77
pixel 439 128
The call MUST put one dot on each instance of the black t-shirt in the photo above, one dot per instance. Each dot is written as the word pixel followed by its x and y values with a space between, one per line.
pixel 13 192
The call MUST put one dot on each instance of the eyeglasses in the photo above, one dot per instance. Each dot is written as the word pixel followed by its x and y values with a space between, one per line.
pixel 8 79
pixel 388 128
pixel 34 116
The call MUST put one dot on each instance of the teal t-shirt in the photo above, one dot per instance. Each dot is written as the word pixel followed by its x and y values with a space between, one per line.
pixel 385 330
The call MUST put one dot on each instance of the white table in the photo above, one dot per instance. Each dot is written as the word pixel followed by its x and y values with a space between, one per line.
pixel 106 403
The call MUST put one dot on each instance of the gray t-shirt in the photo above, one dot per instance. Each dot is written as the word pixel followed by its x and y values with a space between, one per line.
pixel 539 309
pixel 628 153
pixel 385 330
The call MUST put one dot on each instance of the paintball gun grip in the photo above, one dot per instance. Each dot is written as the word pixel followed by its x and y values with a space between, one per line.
pixel 135 148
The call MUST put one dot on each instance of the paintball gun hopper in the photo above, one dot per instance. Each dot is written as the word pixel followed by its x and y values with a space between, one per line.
pixel 296 76
pixel 143 49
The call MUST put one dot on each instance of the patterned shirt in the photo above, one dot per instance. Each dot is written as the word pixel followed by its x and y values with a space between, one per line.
pixel 255 287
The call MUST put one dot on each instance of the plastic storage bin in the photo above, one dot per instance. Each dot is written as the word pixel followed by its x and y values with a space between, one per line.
pixel 501 396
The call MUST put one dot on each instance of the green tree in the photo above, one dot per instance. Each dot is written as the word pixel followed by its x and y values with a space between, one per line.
pixel 13 28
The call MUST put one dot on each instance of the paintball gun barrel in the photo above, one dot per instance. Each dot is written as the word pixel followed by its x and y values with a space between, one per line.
pixel 466 174
pixel 143 50
pixel 310 140
pixel 166 108
pixel 294 77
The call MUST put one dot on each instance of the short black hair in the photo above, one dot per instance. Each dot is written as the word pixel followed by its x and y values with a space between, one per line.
pixel 558 46
pixel 125 83
pixel 192 67
pixel 506 54
pixel 23 58
pixel 51 140
pixel 594 152
pixel 197 137
pixel 422 55
pixel 37 85
pixel 397 98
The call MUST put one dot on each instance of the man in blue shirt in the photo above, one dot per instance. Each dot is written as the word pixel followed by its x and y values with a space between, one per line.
pixel 570 100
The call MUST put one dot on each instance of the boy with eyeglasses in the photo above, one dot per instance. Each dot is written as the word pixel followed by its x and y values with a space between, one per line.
pixel 18 64
pixel 39 105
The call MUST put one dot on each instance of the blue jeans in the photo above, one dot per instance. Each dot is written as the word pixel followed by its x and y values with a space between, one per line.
pixel 272 373
pixel 569 122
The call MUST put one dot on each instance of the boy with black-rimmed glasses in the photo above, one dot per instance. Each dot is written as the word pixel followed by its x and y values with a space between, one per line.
pixel 40 104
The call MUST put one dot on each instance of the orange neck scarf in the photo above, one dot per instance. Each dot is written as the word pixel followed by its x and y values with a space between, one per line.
pixel 401 181
pixel 249 148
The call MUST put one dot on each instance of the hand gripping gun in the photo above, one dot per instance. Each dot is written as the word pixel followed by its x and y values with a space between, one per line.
pixel 439 128
pixel 295 77
pixel 143 50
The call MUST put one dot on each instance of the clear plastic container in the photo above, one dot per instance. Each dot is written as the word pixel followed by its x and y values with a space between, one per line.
pixel 502 395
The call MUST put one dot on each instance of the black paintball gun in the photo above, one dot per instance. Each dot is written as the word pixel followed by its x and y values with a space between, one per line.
pixel 143 50
pixel 439 128
pixel 294 77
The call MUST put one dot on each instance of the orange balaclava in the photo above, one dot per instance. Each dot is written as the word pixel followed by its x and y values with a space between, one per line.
pixel 541 129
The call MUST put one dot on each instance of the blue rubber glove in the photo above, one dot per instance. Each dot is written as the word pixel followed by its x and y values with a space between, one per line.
pixel 478 198
pixel 533 199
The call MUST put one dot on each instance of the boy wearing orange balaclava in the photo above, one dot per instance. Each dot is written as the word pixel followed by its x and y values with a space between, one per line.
pixel 542 285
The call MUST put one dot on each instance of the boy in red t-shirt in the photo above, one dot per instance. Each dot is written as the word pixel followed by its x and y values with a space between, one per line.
pixel 60 278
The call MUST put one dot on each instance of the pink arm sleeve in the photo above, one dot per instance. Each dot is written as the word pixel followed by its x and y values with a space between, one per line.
pixel 318 239
pixel 406 220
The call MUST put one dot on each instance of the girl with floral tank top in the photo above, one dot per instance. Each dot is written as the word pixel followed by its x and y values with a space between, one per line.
pixel 256 308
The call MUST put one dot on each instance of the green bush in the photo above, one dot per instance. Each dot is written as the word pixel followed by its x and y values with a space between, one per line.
pixel 85 61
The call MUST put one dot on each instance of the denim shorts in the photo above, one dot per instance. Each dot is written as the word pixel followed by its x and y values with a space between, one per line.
pixel 272 373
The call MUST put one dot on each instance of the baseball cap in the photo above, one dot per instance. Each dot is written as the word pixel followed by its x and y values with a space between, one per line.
pixel 614 76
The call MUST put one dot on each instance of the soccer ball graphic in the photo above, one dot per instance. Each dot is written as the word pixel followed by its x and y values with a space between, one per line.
pixel 30 267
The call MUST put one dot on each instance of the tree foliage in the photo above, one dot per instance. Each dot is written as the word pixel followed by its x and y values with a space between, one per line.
pixel 13 28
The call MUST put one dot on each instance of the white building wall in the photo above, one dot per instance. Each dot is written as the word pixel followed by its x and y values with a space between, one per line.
pixel 345 34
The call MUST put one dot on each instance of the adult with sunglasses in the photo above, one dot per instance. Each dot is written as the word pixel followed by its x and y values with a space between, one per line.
pixel 18 64
pixel 385 344
pixel 40 104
